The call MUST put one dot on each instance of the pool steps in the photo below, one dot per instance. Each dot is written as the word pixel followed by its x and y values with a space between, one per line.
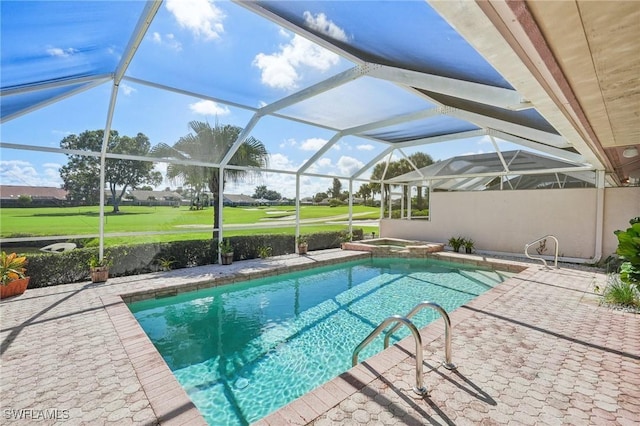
pixel 399 321
pixel 447 330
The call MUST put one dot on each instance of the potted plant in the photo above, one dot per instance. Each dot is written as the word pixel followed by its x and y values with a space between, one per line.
pixel 14 281
pixel 99 269
pixel 303 245
pixel 226 251
pixel 456 243
pixel 468 245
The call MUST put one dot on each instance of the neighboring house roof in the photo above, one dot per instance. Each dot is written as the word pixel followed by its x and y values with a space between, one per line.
pixel 8 192
pixel 140 194
pixel 239 199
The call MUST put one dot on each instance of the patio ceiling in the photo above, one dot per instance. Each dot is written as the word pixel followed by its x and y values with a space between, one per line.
pixel 436 71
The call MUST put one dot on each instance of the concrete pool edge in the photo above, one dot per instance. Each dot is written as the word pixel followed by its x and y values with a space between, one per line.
pixel 169 400
pixel 230 274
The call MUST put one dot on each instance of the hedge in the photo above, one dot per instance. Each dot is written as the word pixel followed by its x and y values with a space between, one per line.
pixel 49 269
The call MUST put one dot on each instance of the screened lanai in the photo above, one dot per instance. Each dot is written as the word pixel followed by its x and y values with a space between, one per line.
pixel 379 79
pixel 498 170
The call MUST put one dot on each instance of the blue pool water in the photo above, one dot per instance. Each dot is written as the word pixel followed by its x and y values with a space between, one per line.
pixel 242 351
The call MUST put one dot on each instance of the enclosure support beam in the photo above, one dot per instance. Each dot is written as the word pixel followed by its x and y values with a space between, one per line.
pixel 103 163
pixel 350 207
pixel 599 214
pixel 220 210
pixel 297 211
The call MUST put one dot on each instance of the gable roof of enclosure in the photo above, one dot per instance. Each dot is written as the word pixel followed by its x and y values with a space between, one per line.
pixel 479 172
pixel 425 82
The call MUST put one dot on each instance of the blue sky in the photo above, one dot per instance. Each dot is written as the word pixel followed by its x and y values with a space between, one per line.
pixel 228 53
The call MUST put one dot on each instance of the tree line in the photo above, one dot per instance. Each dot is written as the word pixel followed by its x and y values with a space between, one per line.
pixel 204 143
pixel 381 171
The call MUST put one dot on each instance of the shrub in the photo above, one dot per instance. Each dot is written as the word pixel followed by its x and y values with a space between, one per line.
pixel 264 252
pixel 456 243
pixel 24 200
pixel 619 292
pixel 629 251
pixel 47 269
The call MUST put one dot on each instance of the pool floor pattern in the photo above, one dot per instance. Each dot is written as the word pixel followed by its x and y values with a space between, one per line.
pixel 537 349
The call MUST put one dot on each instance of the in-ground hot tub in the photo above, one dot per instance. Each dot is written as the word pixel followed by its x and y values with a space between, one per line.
pixel 394 246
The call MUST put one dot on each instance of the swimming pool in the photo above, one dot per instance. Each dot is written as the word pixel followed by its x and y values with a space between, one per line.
pixel 242 351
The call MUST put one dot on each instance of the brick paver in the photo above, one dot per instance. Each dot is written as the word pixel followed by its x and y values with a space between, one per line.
pixel 542 353
pixel 535 350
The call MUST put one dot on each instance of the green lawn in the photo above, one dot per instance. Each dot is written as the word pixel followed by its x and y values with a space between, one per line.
pixel 24 222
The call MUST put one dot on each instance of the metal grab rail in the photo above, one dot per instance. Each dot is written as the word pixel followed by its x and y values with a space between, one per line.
pixel 419 388
pixel 526 250
pixel 447 330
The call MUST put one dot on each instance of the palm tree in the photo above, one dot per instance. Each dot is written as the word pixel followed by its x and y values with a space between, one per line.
pixel 210 144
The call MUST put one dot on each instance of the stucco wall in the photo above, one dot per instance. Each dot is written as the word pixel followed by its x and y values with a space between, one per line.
pixel 620 205
pixel 504 221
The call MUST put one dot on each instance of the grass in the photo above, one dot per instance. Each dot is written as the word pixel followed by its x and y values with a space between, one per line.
pixel 195 224
pixel 622 293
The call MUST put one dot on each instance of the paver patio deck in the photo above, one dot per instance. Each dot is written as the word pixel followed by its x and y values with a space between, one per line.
pixel 537 349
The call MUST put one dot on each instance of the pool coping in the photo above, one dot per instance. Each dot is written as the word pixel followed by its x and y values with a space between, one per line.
pixel 169 400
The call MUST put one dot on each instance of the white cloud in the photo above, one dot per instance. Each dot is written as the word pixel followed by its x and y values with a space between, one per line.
pixel 313 144
pixel 323 25
pixel 52 173
pixel 126 89
pixel 324 162
pixel 62 53
pixel 315 167
pixel 281 162
pixel 288 143
pixel 18 172
pixel 201 17
pixel 169 41
pixel 364 147
pixel 283 69
pixel 277 71
pixel 349 165
pixel 209 108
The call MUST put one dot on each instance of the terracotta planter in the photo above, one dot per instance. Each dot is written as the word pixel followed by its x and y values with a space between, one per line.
pixel 227 258
pixel 14 288
pixel 302 248
pixel 99 274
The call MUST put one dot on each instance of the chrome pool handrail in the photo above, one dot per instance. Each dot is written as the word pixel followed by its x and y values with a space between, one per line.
pixel 447 330
pixel 419 388
pixel 526 250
